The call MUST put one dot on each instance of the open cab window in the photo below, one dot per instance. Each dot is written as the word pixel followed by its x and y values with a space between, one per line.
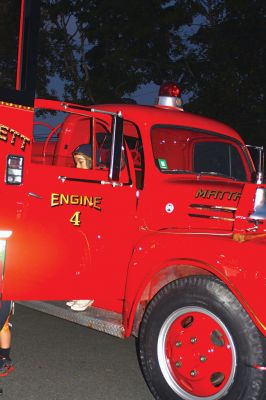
pixel 60 140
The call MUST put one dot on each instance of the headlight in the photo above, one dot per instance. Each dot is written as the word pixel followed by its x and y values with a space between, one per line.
pixel 259 205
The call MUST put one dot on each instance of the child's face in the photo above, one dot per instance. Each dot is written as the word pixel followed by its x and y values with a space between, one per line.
pixel 82 161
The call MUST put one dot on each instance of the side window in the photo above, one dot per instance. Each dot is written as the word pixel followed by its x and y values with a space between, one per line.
pixel 218 157
pixel 103 145
pixel 133 141
pixel 134 144
pixel 171 148
pixel 47 126
pixel 59 138
pixel 71 140
pixel 183 150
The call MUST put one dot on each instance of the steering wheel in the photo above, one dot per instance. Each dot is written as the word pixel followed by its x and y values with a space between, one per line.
pixel 55 130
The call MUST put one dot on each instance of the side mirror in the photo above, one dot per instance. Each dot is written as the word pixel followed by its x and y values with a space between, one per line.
pixel 257 155
pixel 116 149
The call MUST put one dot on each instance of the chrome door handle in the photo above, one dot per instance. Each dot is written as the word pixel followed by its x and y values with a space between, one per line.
pixel 35 195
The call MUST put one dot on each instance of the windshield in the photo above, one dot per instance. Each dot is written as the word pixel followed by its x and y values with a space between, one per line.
pixel 179 150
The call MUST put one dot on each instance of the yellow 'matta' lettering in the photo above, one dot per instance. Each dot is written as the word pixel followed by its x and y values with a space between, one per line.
pixel 217 194
pixel 60 199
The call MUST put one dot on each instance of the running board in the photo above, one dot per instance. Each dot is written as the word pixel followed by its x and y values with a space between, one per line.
pixel 95 318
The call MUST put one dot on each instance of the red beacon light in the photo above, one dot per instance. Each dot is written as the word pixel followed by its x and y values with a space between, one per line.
pixel 170 96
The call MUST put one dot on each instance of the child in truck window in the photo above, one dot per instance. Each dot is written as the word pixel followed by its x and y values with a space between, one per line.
pixel 83 159
pixel 83 156
pixel 6 364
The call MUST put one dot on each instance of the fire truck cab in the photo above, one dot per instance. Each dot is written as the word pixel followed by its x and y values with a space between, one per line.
pixel 165 232
pixel 162 232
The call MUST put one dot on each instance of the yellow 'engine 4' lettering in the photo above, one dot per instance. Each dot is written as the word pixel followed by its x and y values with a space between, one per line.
pixel 59 199
pixel 75 219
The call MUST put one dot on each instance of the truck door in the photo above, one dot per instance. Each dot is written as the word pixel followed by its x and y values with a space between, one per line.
pixel 75 236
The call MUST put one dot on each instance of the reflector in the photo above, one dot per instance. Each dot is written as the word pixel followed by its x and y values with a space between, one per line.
pixel 14 170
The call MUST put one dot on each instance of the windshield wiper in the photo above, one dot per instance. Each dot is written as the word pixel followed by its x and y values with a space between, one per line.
pixel 176 171
pixel 213 173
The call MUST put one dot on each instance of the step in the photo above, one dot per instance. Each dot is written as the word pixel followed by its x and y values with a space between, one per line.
pixel 95 318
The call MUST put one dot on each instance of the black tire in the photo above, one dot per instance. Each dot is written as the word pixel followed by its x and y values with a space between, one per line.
pixel 196 342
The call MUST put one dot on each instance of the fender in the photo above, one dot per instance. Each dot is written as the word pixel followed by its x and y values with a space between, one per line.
pixel 164 256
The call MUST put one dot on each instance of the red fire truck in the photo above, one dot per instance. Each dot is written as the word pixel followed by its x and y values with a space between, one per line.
pixel 166 233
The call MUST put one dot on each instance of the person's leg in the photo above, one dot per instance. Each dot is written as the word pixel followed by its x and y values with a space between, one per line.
pixel 6 365
pixel 5 341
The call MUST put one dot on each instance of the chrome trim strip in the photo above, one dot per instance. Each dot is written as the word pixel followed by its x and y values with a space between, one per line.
pixel 35 195
pixel 212 217
pixel 229 234
pixel 112 183
pixel 210 207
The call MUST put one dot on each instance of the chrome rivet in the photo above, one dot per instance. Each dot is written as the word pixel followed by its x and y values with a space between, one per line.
pixel 178 344
pixel 203 358
pixel 193 373
pixel 178 364
pixel 193 340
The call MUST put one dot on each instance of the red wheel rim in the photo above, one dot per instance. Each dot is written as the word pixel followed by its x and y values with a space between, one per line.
pixel 196 354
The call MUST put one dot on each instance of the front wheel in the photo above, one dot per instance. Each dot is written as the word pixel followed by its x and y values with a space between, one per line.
pixel 196 342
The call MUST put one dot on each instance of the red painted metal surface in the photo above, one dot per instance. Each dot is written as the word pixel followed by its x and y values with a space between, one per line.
pixel 141 236
pixel 73 233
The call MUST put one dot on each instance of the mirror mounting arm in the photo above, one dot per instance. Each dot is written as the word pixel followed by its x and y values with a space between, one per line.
pixel 116 150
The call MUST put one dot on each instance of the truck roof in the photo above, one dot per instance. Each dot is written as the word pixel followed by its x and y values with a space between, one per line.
pixel 152 115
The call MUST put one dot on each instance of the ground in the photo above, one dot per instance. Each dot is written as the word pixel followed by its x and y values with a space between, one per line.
pixel 59 360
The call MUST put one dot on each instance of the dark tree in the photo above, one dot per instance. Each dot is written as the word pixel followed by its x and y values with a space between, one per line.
pixel 226 58
pixel 9 30
pixel 104 50
pixel 93 51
